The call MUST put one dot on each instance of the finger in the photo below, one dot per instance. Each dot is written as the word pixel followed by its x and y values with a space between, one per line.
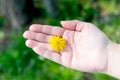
pixel 73 25
pixel 37 36
pixel 32 44
pixel 42 51
pixel 47 29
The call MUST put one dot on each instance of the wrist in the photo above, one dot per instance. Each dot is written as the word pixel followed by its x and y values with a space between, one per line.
pixel 113 67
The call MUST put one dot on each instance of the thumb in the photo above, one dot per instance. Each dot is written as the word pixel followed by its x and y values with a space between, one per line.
pixel 72 25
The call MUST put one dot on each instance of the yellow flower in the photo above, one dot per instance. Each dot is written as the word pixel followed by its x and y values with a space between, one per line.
pixel 57 43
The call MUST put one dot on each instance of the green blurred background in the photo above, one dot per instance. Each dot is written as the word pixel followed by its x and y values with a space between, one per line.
pixel 17 62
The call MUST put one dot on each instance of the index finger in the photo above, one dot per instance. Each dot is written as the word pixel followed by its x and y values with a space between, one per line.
pixel 46 29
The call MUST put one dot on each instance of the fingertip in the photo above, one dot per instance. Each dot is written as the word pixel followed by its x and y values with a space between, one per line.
pixel 31 43
pixel 70 24
pixel 29 35
pixel 27 43
pixel 68 21
pixel 62 22
pixel 33 27
pixel 25 34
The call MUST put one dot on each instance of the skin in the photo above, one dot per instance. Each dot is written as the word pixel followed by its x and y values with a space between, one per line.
pixel 86 50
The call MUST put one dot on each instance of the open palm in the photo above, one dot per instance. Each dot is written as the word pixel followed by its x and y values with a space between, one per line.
pixel 86 45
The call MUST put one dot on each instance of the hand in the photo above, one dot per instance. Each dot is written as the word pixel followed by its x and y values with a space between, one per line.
pixel 86 48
